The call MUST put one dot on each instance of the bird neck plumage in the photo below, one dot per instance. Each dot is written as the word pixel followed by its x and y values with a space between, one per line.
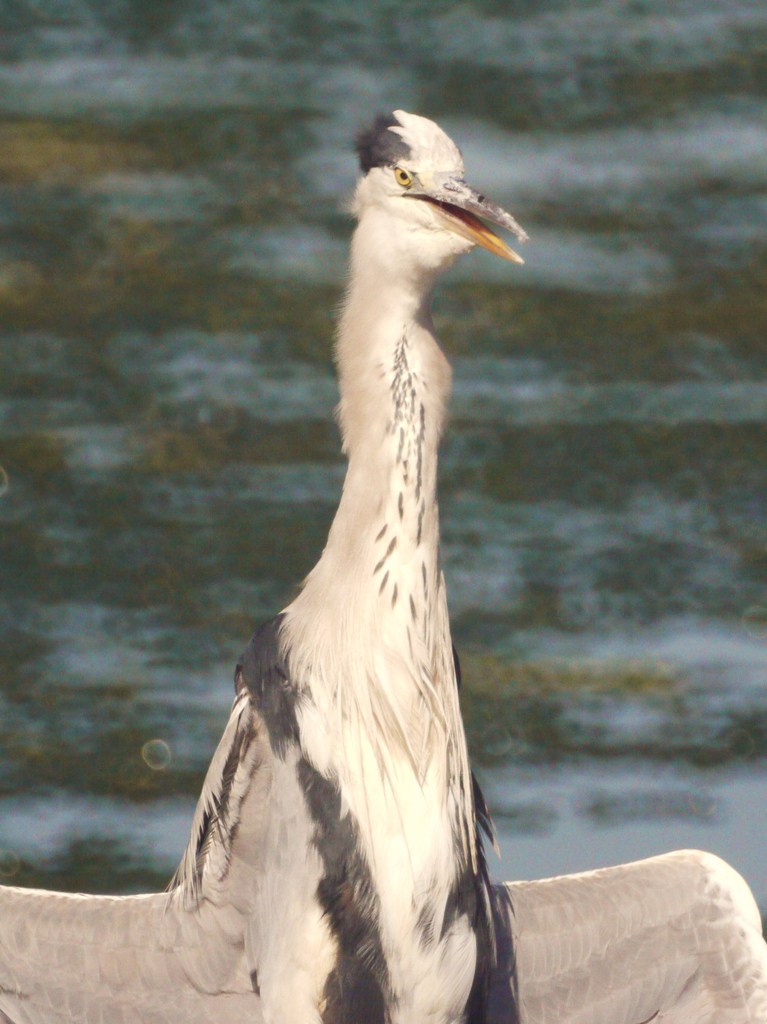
pixel 394 383
pixel 368 637
pixel 378 577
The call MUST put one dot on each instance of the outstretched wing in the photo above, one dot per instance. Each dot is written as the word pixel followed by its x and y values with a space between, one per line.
pixel 178 957
pixel 238 778
pixel 175 957
pixel 674 939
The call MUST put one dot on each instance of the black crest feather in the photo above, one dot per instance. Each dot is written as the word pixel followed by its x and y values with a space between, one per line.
pixel 379 147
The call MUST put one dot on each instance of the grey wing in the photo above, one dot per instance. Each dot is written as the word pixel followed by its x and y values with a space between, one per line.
pixel 168 958
pixel 675 939
pixel 224 849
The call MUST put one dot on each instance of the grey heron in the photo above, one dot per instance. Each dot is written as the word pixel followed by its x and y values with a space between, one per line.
pixel 334 871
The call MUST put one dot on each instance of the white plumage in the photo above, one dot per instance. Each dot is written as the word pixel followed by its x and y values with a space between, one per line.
pixel 334 872
pixel 677 936
pixel 676 939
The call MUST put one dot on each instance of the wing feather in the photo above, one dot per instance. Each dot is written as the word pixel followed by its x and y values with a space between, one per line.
pixel 166 957
pixel 227 780
pixel 675 939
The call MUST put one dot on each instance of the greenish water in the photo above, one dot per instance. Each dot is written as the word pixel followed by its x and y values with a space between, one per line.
pixel 172 247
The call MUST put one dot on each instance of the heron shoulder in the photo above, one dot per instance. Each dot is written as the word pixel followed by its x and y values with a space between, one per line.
pixel 263 673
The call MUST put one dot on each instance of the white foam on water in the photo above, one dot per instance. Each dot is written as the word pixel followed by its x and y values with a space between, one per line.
pixel 480 398
pixel 592 558
pixel 303 253
pixel 686 642
pixel 138 84
pixel 35 415
pixel 616 166
pixel 95 645
pixel 91 643
pixel 226 370
pixel 98 448
pixel 649 37
pixel 575 261
pixel 41 827
pixel 157 196
pixel 717 655
pixel 294 484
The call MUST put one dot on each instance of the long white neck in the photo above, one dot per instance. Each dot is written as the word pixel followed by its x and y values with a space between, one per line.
pixel 369 633
pixel 394 384
pixel 378 575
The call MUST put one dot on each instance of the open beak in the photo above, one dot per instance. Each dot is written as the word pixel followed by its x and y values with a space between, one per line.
pixel 461 207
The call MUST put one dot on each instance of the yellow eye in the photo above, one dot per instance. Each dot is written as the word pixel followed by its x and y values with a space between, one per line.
pixel 403 178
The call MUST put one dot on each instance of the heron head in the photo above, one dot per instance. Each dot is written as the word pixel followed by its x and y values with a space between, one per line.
pixel 415 172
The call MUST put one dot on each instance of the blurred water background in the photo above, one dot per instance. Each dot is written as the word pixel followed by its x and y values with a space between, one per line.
pixel 172 249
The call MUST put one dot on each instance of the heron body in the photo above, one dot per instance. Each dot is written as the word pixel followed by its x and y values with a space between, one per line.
pixel 398 916
pixel 334 872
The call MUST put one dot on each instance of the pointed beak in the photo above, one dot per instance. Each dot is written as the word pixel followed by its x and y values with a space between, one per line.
pixel 461 207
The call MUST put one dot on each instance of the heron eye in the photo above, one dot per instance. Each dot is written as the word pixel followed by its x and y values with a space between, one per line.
pixel 403 178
